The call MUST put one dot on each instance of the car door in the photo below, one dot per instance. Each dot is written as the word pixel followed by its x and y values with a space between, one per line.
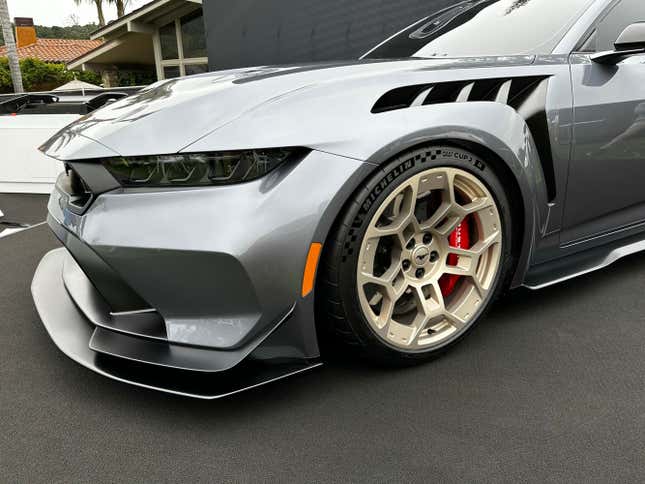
pixel 606 189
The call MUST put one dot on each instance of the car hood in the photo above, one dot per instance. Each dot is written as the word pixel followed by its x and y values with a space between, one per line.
pixel 170 116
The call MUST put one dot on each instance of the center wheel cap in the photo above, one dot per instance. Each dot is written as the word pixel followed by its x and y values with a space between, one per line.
pixel 420 256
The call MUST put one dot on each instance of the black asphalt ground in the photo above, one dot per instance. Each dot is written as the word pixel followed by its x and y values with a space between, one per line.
pixel 549 388
pixel 23 208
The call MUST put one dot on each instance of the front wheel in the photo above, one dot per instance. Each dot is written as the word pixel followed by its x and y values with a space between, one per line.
pixel 419 255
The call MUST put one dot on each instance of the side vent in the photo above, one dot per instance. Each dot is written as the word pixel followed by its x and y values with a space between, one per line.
pixel 448 92
pixel 400 98
pixel 526 95
pixel 511 91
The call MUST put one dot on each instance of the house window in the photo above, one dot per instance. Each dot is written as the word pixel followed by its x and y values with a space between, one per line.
pixel 193 36
pixel 170 72
pixel 181 47
pixel 168 39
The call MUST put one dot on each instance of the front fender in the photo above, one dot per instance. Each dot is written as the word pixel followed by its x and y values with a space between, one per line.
pixel 352 131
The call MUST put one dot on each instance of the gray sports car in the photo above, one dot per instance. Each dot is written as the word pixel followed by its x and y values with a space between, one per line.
pixel 214 226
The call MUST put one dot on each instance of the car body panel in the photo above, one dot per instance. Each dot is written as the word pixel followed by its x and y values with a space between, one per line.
pixel 609 153
pixel 70 331
pixel 205 259
pixel 186 110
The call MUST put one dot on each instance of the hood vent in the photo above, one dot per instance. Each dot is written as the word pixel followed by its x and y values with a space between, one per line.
pixel 511 91
pixel 526 95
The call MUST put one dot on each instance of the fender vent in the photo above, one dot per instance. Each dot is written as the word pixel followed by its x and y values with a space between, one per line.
pixel 526 95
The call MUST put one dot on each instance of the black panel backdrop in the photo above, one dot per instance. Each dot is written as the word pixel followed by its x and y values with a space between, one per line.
pixel 259 32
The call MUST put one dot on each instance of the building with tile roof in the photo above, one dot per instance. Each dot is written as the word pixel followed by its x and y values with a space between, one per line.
pixel 55 50
pixel 47 50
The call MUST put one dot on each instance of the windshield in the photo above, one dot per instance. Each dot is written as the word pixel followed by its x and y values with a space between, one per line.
pixel 486 28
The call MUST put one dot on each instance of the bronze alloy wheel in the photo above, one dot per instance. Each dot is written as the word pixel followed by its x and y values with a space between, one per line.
pixel 406 252
pixel 419 255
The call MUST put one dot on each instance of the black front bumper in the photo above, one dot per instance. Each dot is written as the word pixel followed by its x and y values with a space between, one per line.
pixel 148 360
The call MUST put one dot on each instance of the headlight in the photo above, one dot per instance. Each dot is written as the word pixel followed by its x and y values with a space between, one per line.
pixel 198 169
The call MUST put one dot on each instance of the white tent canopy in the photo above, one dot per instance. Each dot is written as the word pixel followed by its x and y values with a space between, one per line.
pixel 77 85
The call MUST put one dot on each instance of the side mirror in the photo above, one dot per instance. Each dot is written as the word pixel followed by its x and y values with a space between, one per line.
pixel 631 42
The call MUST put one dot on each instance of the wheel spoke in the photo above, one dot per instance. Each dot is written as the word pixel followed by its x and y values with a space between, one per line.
pixel 428 309
pixel 451 222
pixel 450 194
pixel 398 202
pixel 470 273
pixel 411 192
pixel 469 261
pixel 383 282
pixel 454 320
pixel 402 207
pixel 450 213
pixel 460 271
pixel 379 232
pixel 483 245
pixel 385 316
pixel 376 298
pixel 478 205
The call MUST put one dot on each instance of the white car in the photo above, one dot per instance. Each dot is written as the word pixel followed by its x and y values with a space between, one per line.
pixel 26 122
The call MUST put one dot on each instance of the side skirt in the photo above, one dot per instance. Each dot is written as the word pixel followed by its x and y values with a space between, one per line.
pixel 581 263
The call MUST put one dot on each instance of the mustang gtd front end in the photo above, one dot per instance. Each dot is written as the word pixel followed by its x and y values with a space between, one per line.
pixel 185 272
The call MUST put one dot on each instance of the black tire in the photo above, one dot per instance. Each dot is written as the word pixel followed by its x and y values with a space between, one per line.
pixel 338 302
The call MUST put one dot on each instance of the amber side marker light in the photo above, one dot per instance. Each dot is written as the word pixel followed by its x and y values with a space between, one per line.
pixel 310 268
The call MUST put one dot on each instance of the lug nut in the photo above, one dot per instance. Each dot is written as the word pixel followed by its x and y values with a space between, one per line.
pixel 406 264
pixel 427 239
pixel 420 273
pixel 411 244
pixel 434 256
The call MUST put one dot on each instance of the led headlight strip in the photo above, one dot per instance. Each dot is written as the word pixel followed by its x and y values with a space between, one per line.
pixel 198 169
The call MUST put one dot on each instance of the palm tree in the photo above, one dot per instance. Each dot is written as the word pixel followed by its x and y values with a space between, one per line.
pixel 99 9
pixel 120 6
pixel 12 54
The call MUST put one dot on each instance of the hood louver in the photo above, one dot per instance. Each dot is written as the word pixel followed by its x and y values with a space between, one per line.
pixel 510 91
pixel 526 95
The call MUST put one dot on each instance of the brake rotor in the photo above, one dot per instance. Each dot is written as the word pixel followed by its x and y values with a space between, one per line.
pixel 459 239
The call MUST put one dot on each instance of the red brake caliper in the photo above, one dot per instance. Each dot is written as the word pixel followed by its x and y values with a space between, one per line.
pixel 460 239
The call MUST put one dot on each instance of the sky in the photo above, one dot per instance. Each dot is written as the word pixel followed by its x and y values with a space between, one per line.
pixel 57 12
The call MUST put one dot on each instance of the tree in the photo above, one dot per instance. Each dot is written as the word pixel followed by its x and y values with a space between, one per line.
pixel 120 6
pixel 69 32
pixel 12 53
pixel 99 9
pixel 73 20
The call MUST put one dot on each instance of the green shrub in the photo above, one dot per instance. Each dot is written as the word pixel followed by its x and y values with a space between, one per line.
pixel 136 77
pixel 89 76
pixel 42 76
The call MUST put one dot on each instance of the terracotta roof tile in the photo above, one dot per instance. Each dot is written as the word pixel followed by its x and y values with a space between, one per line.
pixel 55 50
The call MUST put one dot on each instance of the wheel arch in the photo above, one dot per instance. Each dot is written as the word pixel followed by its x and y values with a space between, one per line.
pixel 520 176
pixel 325 313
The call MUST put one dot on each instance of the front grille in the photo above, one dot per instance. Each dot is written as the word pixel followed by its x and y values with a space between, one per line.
pixel 78 196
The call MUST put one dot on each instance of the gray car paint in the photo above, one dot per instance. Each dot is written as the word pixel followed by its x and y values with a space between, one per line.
pixel 211 277
pixel 610 144
pixel 168 244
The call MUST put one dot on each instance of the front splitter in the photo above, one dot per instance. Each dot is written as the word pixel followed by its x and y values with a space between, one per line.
pixel 71 332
